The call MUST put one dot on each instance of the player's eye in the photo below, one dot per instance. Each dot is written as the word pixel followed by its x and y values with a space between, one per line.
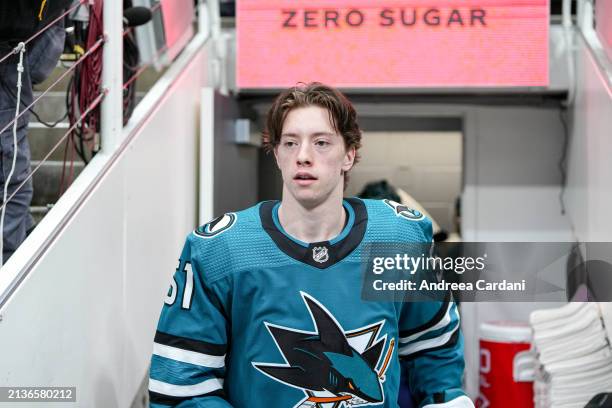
pixel 289 143
pixel 322 143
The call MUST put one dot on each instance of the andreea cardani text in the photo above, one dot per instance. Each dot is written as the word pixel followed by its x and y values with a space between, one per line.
pixel 424 285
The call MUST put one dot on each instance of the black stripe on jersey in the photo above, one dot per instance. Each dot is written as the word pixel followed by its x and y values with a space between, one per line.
pixel 434 320
pixel 190 344
pixel 336 252
pixel 163 399
pixel 452 342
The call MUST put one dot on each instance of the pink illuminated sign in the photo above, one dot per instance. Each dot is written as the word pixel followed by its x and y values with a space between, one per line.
pixel 392 43
pixel 603 18
pixel 178 24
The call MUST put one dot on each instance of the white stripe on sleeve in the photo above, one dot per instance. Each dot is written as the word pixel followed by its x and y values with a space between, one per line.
pixel 429 343
pixel 188 356
pixel 173 390
pixel 445 321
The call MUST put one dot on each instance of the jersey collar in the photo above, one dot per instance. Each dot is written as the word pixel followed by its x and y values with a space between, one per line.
pixel 318 254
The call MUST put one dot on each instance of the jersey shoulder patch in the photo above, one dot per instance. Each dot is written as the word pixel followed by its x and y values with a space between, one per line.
pixel 237 221
pixel 403 211
pixel 230 244
pixel 217 226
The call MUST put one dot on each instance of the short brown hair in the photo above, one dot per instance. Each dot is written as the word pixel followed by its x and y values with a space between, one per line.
pixel 342 114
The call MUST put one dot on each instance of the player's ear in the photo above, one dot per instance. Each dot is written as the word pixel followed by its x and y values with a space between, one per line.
pixel 349 159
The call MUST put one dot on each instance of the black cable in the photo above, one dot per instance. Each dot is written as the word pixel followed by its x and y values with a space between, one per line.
pixel 8 89
pixel 77 132
pixel 49 125
pixel 131 58
pixel 77 135
pixel 563 159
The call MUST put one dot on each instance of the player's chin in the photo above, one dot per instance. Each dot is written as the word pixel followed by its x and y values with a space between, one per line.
pixel 307 197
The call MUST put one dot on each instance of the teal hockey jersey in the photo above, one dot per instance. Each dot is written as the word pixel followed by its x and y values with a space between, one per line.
pixel 255 318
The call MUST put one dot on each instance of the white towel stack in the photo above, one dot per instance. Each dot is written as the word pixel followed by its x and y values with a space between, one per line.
pixel 574 355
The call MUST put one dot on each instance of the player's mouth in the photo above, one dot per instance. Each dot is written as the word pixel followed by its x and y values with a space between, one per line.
pixel 303 178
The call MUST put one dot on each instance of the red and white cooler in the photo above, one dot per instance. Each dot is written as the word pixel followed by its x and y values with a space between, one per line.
pixel 506 365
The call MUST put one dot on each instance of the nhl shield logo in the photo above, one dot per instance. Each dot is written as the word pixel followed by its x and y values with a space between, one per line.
pixel 320 254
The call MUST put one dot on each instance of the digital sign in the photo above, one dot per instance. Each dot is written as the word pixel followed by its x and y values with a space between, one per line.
pixel 603 26
pixel 392 43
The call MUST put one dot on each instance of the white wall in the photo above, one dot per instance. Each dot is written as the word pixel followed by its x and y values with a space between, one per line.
pixel 512 178
pixel 511 193
pixel 589 194
pixel 86 312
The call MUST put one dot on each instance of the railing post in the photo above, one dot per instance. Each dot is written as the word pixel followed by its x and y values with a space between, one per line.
pixel 112 75
pixel 584 14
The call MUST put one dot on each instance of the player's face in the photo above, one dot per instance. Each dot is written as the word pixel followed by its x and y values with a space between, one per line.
pixel 312 156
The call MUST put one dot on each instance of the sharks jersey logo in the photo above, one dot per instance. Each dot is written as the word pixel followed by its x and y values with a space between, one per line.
pixel 335 368
pixel 404 211
pixel 217 226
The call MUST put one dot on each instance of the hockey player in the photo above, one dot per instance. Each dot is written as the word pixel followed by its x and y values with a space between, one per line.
pixel 265 308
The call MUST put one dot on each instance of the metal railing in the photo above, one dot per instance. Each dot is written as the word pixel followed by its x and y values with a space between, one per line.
pixel 102 113
pixel 96 99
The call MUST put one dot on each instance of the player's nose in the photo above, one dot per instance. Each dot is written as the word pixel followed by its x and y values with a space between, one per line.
pixel 304 155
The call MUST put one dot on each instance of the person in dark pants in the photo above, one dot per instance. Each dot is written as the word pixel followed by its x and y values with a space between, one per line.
pixel 40 58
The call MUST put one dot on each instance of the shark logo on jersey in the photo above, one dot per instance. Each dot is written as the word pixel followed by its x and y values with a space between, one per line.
pixel 404 211
pixel 334 368
pixel 320 254
pixel 217 226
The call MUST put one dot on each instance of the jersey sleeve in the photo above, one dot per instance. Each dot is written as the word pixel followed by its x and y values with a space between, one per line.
pixel 431 353
pixel 190 346
pixel 431 348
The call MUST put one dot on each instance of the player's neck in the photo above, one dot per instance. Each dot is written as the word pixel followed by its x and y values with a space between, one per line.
pixel 320 223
